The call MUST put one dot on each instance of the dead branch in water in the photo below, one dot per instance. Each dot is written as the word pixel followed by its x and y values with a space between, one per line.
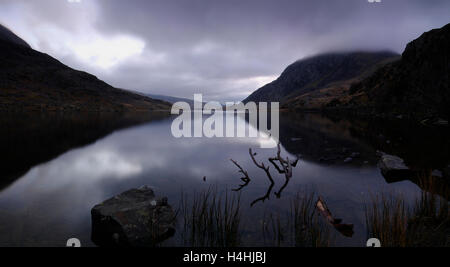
pixel 267 170
pixel 246 179
pixel 286 168
pixel 283 166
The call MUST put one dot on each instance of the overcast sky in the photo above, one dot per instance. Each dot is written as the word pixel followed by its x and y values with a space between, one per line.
pixel 224 49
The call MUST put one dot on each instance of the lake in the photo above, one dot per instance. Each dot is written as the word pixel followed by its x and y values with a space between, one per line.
pixel 56 169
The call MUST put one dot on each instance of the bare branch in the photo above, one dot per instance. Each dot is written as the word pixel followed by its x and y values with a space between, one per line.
pixel 288 176
pixel 274 163
pixel 295 162
pixel 269 176
pixel 286 169
pixel 246 179
pixel 283 166
pixel 252 155
pixel 266 196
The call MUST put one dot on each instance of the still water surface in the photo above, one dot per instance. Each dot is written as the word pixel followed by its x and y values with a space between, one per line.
pixel 51 201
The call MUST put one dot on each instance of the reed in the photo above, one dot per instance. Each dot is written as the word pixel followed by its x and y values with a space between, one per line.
pixel 301 227
pixel 429 224
pixel 275 230
pixel 309 229
pixel 386 219
pixel 425 223
pixel 211 220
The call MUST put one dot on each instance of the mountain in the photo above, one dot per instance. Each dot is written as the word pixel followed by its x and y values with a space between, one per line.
pixel 33 81
pixel 320 72
pixel 8 36
pixel 172 99
pixel 416 86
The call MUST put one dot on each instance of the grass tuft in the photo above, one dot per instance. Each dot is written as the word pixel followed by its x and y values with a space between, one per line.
pixel 211 220
pixel 424 224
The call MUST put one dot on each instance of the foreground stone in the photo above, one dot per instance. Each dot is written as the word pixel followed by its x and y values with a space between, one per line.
pixel 135 218
pixel 393 167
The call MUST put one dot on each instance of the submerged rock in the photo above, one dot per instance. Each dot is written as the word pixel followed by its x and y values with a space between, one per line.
pixel 393 167
pixel 441 122
pixel 135 218
pixel 348 160
pixel 437 173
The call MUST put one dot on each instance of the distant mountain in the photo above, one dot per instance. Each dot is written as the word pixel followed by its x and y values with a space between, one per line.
pixel 414 85
pixel 417 86
pixel 172 99
pixel 33 81
pixel 320 72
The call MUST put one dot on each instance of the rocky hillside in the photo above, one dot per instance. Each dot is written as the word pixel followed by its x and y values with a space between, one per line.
pixel 8 36
pixel 323 72
pixel 33 81
pixel 417 86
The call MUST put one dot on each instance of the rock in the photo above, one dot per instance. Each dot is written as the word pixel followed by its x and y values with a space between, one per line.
pixel 348 160
pixel 355 155
pixel 135 218
pixel 437 173
pixel 393 167
pixel 441 122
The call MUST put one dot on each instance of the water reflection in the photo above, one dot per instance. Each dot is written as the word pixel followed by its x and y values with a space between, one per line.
pixel 355 142
pixel 29 139
pixel 422 147
pixel 282 165
pixel 51 201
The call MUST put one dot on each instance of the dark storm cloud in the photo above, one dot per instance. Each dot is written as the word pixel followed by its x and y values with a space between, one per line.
pixel 224 49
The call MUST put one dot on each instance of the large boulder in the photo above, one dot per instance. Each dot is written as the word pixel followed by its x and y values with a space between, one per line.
pixel 135 218
pixel 394 168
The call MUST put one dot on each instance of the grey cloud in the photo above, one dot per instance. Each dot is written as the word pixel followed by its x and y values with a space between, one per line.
pixel 224 49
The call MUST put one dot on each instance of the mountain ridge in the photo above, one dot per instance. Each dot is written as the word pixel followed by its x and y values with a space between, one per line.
pixel 317 72
pixel 415 85
pixel 418 85
pixel 7 35
pixel 34 81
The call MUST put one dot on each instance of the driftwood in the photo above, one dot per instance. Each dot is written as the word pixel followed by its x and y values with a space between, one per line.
pixel 345 229
pixel 283 166
pixel 246 179
pixel 267 170
pixel 286 168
